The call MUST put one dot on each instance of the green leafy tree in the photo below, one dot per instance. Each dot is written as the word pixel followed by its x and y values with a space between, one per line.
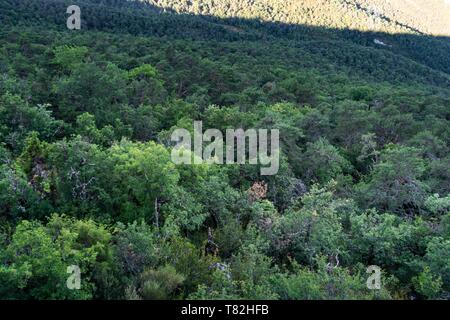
pixel 438 259
pixel 428 285
pixel 159 284
pixel 322 162
pixel 313 229
pixel 69 57
pixel 388 241
pixel 395 183
pixel 90 88
pixel 143 176
pixel 37 257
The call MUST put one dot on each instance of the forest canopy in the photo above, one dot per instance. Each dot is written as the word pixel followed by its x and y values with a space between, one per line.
pixel 87 180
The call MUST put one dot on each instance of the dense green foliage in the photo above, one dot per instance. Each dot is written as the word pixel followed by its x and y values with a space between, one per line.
pixel 86 176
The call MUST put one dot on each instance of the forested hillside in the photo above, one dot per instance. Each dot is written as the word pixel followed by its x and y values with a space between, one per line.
pixel 87 180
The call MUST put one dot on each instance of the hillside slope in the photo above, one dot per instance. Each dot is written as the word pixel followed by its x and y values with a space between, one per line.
pixel 393 16
pixel 87 176
pixel 383 56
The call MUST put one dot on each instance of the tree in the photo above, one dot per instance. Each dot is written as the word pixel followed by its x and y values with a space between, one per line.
pixel 69 57
pixel 145 86
pixel 312 229
pixel 81 178
pixel 87 129
pixel 90 88
pixel 18 199
pixel 324 284
pixel 37 257
pixel 18 119
pixel 159 284
pixel 144 177
pixel 322 162
pixel 395 183
pixel 427 285
pixel 389 242
pixel 438 259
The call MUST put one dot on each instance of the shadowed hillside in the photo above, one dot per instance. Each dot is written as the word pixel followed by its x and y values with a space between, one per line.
pixel 379 53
